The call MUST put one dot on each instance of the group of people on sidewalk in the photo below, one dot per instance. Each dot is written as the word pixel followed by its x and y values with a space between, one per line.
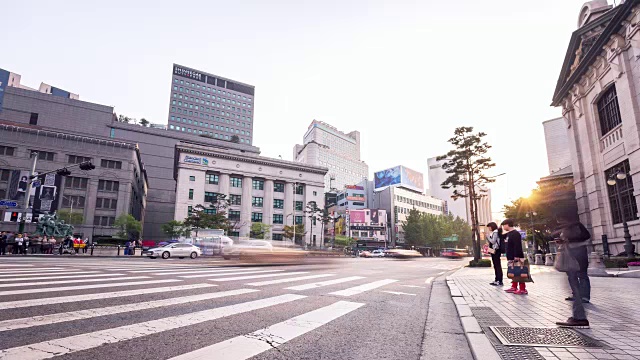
pixel 572 236
pixel 23 244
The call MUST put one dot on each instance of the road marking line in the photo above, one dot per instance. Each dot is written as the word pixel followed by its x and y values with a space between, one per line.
pixel 428 281
pixel 362 288
pixel 414 286
pixel 47 276
pixel 14 324
pixel 15 266
pixel 73 344
pixel 57 282
pixel 249 345
pixel 83 287
pixel 229 273
pixel 280 281
pixel 31 271
pixel 183 270
pixel 98 296
pixel 260 276
pixel 324 283
pixel 398 293
pixel 442 272
pixel 199 271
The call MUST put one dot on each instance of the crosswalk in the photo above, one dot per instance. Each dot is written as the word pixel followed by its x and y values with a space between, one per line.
pixel 61 293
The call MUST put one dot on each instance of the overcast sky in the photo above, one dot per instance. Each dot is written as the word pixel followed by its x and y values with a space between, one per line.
pixel 403 73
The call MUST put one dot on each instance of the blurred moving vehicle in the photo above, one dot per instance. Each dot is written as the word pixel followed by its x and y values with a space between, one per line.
pixel 402 254
pixel 148 244
pixel 179 250
pixel 377 253
pixel 365 254
pixel 262 251
pixel 453 253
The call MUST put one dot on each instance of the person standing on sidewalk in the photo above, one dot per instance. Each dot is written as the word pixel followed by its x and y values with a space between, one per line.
pixel 3 243
pixel 494 245
pixel 513 240
pixel 574 237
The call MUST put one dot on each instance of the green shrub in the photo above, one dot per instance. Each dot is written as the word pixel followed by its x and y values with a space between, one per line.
pixel 618 262
pixel 480 263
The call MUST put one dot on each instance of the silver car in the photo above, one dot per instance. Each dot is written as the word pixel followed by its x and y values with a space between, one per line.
pixel 179 250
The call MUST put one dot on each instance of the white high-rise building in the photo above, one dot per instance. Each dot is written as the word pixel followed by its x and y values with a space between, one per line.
pixel 324 145
pixel 556 138
pixel 458 207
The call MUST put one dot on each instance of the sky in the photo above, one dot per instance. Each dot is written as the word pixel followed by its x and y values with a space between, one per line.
pixel 403 73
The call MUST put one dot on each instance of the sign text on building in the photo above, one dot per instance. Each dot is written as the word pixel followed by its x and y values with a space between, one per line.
pixel 188 73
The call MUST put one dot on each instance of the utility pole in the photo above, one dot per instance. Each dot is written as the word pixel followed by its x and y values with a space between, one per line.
pixel 27 194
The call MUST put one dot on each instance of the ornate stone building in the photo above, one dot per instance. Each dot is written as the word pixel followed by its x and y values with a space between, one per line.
pixel 598 90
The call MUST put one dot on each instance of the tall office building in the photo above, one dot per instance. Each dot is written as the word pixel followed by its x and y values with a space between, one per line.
pixel 324 145
pixel 210 105
pixel 556 138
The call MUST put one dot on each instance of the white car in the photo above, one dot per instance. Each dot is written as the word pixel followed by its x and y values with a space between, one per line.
pixel 377 253
pixel 247 248
pixel 179 250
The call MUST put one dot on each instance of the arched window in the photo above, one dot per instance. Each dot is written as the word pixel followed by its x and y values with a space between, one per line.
pixel 609 111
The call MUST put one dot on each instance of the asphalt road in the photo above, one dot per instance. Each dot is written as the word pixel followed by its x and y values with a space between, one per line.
pixel 138 308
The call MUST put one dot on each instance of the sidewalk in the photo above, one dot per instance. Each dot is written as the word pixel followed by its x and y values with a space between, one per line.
pixel 614 313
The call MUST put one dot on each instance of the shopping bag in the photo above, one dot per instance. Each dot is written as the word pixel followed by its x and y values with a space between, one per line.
pixel 565 262
pixel 519 271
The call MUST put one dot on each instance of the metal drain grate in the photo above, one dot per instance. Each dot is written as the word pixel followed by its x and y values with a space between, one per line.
pixel 518 353
pixel 557 337
pixel 486 316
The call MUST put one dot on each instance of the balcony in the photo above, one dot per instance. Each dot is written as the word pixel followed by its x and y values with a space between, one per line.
pixel 612 138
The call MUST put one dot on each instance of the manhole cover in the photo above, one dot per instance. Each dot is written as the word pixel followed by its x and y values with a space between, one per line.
pixel 518 353
pixel 486 316
pixel 557 337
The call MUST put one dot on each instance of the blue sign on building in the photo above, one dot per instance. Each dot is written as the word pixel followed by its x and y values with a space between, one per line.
pixel 8 203
pixel 4 82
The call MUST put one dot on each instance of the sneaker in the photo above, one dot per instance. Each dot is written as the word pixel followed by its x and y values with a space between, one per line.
pixel 569 298
pixel 521 292
pixel 585 301
pixel 494 283
pixel 500 283
pixel 511 290
pixel 573 323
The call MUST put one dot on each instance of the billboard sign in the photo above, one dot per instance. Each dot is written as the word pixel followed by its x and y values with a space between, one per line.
pixel 195 160
pixel 387 177
pixel 47 194
pixel 356 198
pixel 4 82
pixel 357 217
pixel 354 187
pixel 188 73
pixel 412 179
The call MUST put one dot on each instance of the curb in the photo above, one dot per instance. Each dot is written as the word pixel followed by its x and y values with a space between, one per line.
pixel 481 347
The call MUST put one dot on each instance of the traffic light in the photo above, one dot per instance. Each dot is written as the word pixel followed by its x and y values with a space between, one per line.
pixel 14 216
pixel 63 172
pixel 87 166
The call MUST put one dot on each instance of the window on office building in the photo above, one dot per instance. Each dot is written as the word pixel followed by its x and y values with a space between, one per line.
pixel 256 217
pixel 277 237
pixel 278 204
pixel 104 203
pixel 4 176
pixel 76 159
pixel 44 155
pixel 7 150
pixel 278 187
pixel 257 201
pixel 299 189
pixel 299 205
pixel 108 185
pixel 278 219
pixel 609 111
pixel 190 194
pixel 103 220
pixel 298 220
pixel 73 201
pixel 628 200
pixel 72 182
pixel 211 179
pixel 235 199
pixel 234 215
pixel 192 178
pixel 210 196
pixel 236 182
pixel 258 184
pixel 111 164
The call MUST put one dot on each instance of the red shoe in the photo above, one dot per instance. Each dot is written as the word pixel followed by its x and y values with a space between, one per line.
pixel 511 290
pixel 521 292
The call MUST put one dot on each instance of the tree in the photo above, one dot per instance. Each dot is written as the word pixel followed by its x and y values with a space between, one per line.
pixel 466 165
pixel 235 139
pixel 73 218
pixel 205 218
pixel 299 231
pixel 260 230
pixel 413 229
pixel 124 119
pixel 174 229
pixel 314 213
pixel 128 227
pixel 144 122
pixel 421 229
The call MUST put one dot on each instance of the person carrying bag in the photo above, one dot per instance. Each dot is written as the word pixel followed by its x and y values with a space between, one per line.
pixel 518 268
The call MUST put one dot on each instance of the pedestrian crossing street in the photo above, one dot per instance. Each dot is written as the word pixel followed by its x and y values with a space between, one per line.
pixel 40 286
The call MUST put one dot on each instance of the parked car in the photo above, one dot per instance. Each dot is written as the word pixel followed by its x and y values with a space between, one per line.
pixel 179 250
pixel 377 253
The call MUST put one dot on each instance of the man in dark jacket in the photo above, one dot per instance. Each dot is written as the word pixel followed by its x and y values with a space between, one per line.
pixel 3 243
pixel 513 241
pixel 574 237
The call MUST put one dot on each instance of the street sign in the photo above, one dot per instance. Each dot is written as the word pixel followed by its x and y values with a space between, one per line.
pixel 35 184
pixel 452 238
pixel 8 203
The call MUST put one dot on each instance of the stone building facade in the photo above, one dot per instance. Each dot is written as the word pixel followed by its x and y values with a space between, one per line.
pixel 599 92
pixel 259 189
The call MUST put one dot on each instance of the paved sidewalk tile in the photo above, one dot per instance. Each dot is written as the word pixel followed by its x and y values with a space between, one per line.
pixel 612 313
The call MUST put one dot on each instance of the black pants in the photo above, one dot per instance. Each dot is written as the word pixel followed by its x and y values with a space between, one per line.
pixel 497 266
pixel 3 249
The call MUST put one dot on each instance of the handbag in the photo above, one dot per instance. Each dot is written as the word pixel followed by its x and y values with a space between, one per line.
pixel 519 271
pixel 565 262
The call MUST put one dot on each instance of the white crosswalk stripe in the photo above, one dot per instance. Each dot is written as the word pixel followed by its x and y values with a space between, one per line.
pixel 39 270
pixel 181 271
pixel 98 296
pixel 294 279
pixel 249 345
pixel 362 288
pixel 229 273
pixel 247 277
pixel 14 324
pixel 46 276
pixel 398 293
pixel 198 271
pixel 72 281
pixel 73 344
pixel 83 287
pixel 324 283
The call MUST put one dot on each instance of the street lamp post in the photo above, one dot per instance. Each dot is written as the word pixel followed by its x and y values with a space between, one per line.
pixel 293 221
pixel 614 180
pixel 530 215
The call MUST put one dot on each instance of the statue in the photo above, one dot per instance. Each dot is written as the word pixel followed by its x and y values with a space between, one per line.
pixel 50 225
